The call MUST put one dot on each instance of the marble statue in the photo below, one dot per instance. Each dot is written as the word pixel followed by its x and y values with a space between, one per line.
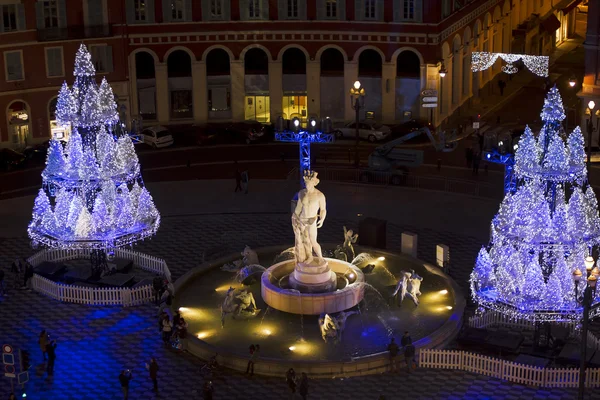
pixel 409 285
pixel 309 216
pixel 349 239
pixel 249 257
pixel 333 326
pixel 340 254
pixel 238 302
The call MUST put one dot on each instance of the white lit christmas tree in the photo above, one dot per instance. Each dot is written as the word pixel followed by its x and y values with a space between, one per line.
pixel 93 194
pixel 543 231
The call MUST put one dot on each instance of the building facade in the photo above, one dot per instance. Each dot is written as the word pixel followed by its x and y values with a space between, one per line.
pixel 176 62
pixel 590 88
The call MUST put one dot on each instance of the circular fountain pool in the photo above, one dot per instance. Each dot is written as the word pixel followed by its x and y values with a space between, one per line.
pixel 296 338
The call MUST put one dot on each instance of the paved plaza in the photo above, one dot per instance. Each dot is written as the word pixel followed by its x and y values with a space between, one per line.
pixel 95 343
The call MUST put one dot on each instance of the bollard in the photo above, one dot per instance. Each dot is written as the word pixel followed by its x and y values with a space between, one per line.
pixel 442 255
pixel 409 243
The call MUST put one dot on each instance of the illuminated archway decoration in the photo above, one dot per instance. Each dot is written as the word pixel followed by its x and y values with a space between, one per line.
pixel 481 60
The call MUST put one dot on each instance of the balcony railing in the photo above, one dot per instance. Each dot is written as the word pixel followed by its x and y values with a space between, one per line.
pixel 73 32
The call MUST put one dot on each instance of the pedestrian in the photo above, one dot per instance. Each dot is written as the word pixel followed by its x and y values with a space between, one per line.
pixel 409 356
pixel 469 156
pixel 2 284
pixel 28 275
pixel 124 379
pixel 157 289
pixel 393 349
pixel 476 161
pixel 245 179
pixel 181 332
pixel 208 390
pixel 153 370
pixel 501 85
pixel 51 350
pixel 290 379
pixel 406 339
pixel 251 349
pixel 43 342
pixel 167 330
pixel 303 386
pixel 238 178
pixel 167 302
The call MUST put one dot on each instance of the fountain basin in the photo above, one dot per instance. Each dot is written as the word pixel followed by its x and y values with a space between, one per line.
pixel 295 302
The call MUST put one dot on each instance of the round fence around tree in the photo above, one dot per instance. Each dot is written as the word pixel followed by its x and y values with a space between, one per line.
pixel 97 295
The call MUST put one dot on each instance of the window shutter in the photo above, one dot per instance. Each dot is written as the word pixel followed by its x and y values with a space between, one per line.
pixel 302 9
pixel 244 9
pixel 282 9
pixel 51 60
pixel 205 10
pixel 166 10
pixel 418 11
pixel 187 4
pixel 359 10
pixel 150 11
pixel 264 9
pixel 398 7
pixel 321 11
pixel 226 10
pixel 39 15
pixel 109 58
pixel 379 10
pixel 21 17
pixel 341 10
pixel 13 62
pixel 62 14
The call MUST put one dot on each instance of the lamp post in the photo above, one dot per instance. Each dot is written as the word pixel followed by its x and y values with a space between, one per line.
pixel 572 81
pixel 590 129
pixel 443 71
pixel 585 299
pixel 357 97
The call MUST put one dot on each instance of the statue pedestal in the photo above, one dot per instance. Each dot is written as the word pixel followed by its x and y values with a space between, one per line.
pixel 311 278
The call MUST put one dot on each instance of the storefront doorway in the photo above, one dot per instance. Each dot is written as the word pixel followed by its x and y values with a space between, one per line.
pixel 294 106
pixel 19 123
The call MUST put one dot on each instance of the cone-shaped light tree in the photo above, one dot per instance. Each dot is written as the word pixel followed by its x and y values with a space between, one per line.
pixel 544 230
pixel 94 196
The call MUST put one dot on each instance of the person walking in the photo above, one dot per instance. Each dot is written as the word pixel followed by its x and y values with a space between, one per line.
pixel 167 302
pixel 157 289
pixel 245 179
pixel 469 156
pixel 252 349
pixel 409 356
pixel 124 379
pixel 501 86
pixel 290 379
pixel 208 390
pixel 51 350
pixel 393 349
pixel 238 178
pixel 153 370
pixel 406 339
pixel 254 356
pixel 28 275
pixel 303 386
pixel 43 342
pixel 476 161
pixel 167 330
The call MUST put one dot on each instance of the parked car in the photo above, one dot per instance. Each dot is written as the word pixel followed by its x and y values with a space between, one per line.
pixel 157 136
pixel 38 152
pixel 409 126
pixel 367 130
pixel 10 160
pixel 248 132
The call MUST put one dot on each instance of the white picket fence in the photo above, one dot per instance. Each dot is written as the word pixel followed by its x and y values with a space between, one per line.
pixel 94 295
pixel 506 370
pixel 492 318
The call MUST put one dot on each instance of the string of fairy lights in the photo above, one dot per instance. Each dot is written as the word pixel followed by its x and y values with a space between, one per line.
pixel 93 194
pixel 482 60
pixel 544 230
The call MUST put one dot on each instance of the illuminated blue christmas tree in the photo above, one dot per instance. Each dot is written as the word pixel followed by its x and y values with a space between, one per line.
pixel 544 230
pixel 93 194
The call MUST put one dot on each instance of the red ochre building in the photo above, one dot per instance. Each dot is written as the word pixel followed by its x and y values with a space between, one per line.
pixel 178 62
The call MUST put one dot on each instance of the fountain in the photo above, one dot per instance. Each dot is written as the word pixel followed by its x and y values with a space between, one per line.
pixel 326 285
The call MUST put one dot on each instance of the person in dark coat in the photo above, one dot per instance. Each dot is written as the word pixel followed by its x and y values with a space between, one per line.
pixel 406 339
pixel 409 356
pixel 208 390
pixel 43 342
pixel 157 288
pixel 153 369
pixel 238 179
pixel 51 351
pixel 469 156
pixel 290 379
pixel 303 386
pixel 28 274
pixel 124 379
pixel 394 350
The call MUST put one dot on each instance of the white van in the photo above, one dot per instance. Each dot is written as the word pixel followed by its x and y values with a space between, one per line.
pixel 157 136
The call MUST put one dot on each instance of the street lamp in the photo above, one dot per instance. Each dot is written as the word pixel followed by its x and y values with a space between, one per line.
pixel 572 81
pixel 357 97
pixel 585 299
pixel 442 73
pixel 590 129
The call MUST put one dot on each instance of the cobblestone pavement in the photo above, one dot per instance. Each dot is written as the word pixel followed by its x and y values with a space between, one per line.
pixel 95 343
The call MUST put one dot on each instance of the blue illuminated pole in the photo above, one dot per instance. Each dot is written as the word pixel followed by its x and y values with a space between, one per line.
pixel 304 139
